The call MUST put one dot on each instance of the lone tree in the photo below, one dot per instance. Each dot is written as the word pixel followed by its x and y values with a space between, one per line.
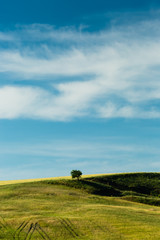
pixel 76 174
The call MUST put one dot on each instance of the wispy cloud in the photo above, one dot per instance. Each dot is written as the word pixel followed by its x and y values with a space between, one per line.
pixel 120 66
pixel 6 37
pixel 91 156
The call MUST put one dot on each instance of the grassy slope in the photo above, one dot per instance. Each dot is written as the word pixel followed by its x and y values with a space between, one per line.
pixel 41 179
pixel 66 212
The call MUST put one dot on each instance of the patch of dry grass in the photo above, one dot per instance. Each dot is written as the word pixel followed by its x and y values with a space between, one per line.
pixel 51 178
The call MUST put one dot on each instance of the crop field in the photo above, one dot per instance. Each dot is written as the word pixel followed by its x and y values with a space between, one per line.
pixel 67 209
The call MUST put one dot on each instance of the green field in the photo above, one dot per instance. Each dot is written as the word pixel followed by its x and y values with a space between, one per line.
pixel 98 207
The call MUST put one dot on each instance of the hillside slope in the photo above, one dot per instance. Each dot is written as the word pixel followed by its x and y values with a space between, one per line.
pixel 139 187
pixel 67 209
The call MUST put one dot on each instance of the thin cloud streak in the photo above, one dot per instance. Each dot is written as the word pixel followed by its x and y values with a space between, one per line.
pixel 43 159
pixel 70 149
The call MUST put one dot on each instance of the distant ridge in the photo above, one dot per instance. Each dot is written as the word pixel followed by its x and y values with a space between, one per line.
pixel 6 182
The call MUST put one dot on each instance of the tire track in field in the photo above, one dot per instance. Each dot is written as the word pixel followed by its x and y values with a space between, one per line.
pixel 30 232
pixel 23 228
pixel 19 230
pixel 35 227
pixel 70 227
pixel 27 229
pixel 41 230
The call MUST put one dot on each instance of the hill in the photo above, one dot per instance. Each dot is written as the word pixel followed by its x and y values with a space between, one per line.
pixel 95 208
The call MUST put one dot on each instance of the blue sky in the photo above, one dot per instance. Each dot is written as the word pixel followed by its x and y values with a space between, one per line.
pixel 79 87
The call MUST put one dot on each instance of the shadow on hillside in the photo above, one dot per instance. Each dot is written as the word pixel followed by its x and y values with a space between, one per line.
pixel 137 187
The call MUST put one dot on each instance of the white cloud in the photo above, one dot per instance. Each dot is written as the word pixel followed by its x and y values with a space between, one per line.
pixel 29 102
pixel 7 37
pixel 120 66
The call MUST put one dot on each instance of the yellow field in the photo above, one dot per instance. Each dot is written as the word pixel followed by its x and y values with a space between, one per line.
pixel 41 179
pixel 51 178
pixel 31 180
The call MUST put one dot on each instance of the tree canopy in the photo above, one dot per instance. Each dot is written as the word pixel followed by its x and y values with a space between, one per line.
pixel 76 174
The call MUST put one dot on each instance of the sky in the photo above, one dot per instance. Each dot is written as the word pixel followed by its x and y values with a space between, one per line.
pixel 79 87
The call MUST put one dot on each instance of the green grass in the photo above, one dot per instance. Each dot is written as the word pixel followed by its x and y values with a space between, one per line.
pixel 69 209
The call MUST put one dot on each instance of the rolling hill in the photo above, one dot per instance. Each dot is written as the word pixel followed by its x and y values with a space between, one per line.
pixel 114 206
